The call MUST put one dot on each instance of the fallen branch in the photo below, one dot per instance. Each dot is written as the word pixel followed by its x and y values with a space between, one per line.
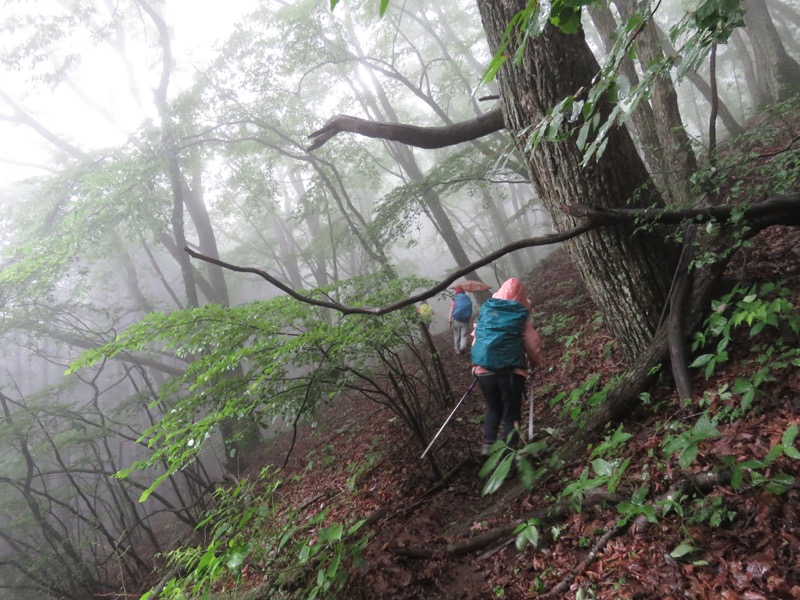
pixel 550 514
pixel 584 564
pixel 775 210
pixel 496 549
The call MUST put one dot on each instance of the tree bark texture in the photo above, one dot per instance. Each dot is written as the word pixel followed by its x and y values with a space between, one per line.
pixel 628 276
pixel 421 137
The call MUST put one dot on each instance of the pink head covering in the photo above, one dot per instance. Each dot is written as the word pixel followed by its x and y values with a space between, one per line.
pixel 512 289
pixel 459 290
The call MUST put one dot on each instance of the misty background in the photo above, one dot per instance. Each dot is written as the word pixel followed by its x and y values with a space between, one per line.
pixel 132 129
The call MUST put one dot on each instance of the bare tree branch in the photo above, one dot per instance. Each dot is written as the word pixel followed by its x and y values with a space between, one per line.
pixel 421 137
pixel 775 210
pixel 22 117
pixel 424 295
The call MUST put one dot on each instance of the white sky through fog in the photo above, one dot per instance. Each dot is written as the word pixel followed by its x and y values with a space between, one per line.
pixel 197 27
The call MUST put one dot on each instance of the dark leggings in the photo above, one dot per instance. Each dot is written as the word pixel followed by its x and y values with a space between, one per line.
pixel 503 393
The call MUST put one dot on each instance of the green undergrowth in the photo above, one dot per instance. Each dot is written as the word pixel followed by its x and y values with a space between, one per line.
pixel 294 553
pixel 763 325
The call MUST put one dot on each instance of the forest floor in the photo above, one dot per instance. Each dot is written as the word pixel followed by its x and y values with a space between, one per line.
pixel 429 541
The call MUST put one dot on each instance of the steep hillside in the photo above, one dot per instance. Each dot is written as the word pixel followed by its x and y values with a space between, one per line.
pixel 433 540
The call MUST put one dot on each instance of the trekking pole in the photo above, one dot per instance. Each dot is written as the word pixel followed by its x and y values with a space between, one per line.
pixel 530 409
pixel 447 420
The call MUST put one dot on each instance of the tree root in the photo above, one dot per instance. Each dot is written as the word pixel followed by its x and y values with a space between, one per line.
pixel 691 485
pixel 544 515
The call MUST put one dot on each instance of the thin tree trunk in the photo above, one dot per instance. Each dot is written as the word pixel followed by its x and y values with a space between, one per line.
pixel 728 120
pixel 757 95
pixel 643 120
pixel 777 74
pixel 679 158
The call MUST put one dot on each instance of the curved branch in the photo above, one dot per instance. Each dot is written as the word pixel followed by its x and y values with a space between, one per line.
pixel 420 137
pixel 22 117
pixel 545 240
pixel 776 210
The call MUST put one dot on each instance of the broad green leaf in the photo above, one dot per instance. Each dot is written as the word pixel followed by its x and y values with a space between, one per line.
pixel 787 440
pixel 332 533
pixel 701 360
pixel 526 472
pixel 602 468
pixel 688 456
pixel 498 476
pixel 236 559
pixel 682 549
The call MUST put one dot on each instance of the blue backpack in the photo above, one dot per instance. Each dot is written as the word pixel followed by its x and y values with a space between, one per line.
pixel 498 335
pixel 462 308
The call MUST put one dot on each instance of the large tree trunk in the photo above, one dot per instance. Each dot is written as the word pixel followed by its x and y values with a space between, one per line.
pixel 628 276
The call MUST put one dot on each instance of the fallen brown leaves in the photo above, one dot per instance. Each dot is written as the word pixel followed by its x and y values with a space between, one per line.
pixel 756 555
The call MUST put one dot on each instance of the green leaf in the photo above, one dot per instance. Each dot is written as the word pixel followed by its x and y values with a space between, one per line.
pixel 491 462
pixel 528 535
pixel 384 6
pixel 704 429
pixel 737 475
pixel 791 452
pixel 526 472
pixel 787 440
pixel 333 567
pixel 582 135
pixel 773 453
pixel 146 494
pixel 236 559
pixel 602 468
pixel 779 483
pixel 498 476
pixel 701 360
pixel 682 549
pixel 356 526
pixel 688 456
pixel 332 533
pixel 566 18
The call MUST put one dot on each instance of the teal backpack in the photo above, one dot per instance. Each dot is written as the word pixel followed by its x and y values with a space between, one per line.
pixel 498 335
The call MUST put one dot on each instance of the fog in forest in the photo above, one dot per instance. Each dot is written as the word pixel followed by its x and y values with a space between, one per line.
pixel 132 130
